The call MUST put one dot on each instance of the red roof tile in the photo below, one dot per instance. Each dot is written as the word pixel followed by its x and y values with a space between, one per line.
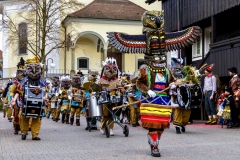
pixel 110 9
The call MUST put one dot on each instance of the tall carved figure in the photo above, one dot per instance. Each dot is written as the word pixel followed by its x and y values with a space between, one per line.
pixel 154 77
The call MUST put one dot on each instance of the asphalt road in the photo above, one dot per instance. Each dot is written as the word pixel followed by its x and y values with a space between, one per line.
pixel 66 142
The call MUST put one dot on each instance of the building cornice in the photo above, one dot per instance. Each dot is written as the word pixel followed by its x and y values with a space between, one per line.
pixel 69 20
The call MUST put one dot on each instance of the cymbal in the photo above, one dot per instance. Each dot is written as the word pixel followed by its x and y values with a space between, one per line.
pixel 91 86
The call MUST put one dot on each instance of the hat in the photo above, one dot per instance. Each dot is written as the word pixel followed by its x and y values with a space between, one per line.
pixel 229 89
pixel 233 70
pixel 209 69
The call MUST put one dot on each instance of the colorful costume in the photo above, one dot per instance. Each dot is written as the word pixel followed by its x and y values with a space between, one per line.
pixel 53 98
pixel 64 98
pixel 35 85
pixel 155 77
pixel 180 115
pixel 76 97
pixel 109 82
pixel 90 87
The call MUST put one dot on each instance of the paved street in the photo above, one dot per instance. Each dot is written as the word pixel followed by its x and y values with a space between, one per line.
pixel 66 142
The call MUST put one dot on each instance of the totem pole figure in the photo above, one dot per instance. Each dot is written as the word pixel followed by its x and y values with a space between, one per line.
pixel 154 77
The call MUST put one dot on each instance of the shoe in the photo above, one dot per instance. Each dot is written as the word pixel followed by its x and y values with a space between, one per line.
pixel 36 138
pixel 214 121
pixel 102 131
pixel 93 128
pixel 183 129
pixel 78 122
pixel 111 132
pixel 178 130
pixel 137 124
pixel 236 125
pixel 24 137
pixel 134 125
pixel 87 128
pixel 155 151
pixel 209 121
pixel 229 126
pixel 71 120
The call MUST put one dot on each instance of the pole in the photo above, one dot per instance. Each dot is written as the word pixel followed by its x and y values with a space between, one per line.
pixel 47 66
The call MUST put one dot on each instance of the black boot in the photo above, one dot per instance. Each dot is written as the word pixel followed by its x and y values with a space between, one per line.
pixel 71 120
pixel 183 129
pixel 155 151
pixel 88 119
pixel 178 130
pixel 63 117
pixel 24 137
pixel 67 119
pixel 78 122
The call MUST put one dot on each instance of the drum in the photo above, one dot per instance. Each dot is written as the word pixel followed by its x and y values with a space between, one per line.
pixel 189 96
pixel 105 97
pixel 94 109
pixel 33 102
pixel 115 99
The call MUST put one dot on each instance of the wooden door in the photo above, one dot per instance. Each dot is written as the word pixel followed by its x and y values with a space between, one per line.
pixel 118 57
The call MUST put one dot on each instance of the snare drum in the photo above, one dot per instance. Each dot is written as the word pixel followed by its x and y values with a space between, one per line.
pixel 105 97
pixel 94 109
pixel 115 99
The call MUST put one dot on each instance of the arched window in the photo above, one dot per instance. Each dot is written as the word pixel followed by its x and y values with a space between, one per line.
pixel 22 46
pixel 83 63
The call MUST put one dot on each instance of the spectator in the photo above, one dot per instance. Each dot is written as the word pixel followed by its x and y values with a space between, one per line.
pixel 235 84
pixel 209 89
pixel 80 73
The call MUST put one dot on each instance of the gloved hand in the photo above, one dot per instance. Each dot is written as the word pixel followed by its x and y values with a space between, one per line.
pixel 151 93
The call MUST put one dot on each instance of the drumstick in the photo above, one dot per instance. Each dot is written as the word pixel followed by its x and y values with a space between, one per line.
pixel 125 105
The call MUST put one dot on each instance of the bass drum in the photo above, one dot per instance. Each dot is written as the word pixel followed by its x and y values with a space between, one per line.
pixel 189 96
pixel 183 96
pixel 197 96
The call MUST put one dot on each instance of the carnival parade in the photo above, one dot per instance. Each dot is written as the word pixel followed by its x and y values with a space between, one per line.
pixel 105 112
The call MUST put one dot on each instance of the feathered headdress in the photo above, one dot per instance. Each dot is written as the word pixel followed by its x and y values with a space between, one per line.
pixel 110 62
pixel 65 78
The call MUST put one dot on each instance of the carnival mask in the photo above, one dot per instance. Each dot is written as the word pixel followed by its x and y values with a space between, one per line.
pixel 153 19
pixel 33 71
pixel 92 75
pixel 178 72
pixel 66 83
pixel 20 74
pixel 76 81
pixel 55 81
pixel 125 80
pixel 110 72
pixel 156 61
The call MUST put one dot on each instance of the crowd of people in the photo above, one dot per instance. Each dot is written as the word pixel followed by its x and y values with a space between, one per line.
pixel 227 102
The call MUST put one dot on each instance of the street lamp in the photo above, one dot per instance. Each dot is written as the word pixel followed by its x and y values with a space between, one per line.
pixel 52 65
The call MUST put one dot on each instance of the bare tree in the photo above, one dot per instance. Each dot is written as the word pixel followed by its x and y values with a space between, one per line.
pixel 44 32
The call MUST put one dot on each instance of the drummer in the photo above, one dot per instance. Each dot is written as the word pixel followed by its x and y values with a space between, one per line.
pixel 109 82
pixel 90 87
pixel 180 115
